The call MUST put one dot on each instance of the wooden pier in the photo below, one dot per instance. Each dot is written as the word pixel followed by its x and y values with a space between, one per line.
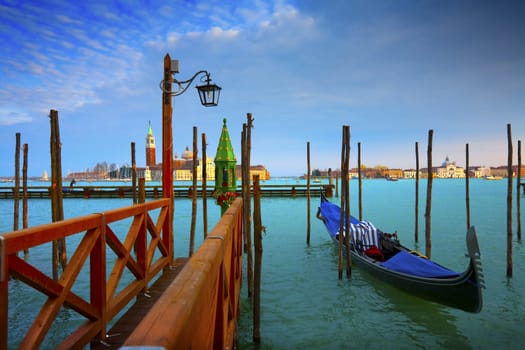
pixel 200 293
pixel 43 192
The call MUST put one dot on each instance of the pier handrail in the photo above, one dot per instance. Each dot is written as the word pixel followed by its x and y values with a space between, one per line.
pixel 143 251
pixel 200 308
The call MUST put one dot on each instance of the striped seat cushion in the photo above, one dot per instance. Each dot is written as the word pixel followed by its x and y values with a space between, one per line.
pixel 365 233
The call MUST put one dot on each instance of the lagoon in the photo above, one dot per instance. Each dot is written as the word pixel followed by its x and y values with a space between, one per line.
pixel 303 303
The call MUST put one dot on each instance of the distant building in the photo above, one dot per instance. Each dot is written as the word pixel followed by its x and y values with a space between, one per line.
pixel 183 167
pixel 260 170
pixel 151 158
pixel 449 169
pixel 410 173
pixel 482 172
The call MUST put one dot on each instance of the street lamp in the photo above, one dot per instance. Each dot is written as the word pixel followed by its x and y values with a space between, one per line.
pixel 209 96
pixel 208 93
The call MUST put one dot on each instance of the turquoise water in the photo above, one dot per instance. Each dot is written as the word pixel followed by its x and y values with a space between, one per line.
pixel 303 303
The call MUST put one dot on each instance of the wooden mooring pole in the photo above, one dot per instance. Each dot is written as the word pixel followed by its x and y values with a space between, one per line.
pixel 416 214
pixel 347 203
pixel 428 209
pixel 257 237
pixel 509 201
pixel 247 216
pixel 518 196
pixel 308 193
pixel 344 221
pixel 204 178
pixel 360 182
pixel 16 193
pixel 133 173
pixel 24 191
pixel 194 192
pixel 59 246
pixel 467 185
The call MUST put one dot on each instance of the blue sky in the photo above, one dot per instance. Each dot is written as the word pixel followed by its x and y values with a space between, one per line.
pixel 391 70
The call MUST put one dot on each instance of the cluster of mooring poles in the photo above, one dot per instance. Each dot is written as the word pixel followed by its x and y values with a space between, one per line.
pixel 59 249
pixel 345 206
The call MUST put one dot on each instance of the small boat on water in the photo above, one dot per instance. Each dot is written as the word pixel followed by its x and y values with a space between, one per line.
pixel 494 177
pixel 382 255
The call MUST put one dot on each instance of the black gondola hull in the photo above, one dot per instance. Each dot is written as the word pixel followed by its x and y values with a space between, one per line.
pixel 461 291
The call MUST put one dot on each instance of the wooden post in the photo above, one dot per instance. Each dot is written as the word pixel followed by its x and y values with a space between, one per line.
pixel 518 197
pixel 167 156
pixel 308 193
pixel 509 201
pixel 204 178
pixel 416 219
pixel 16 193
pixel 133 173
pixel 142 190
pixel 246 206
pixel 344 183
pixel 24 191
pixel 194 192
pixel 467 186
pixel 257 237
pixel 329 188
pixel 59 251
pixel 347 204
pixel 360 181
pixel 336 186
pixel 428 209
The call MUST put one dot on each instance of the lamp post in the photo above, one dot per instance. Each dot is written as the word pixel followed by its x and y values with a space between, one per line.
pixel 209 96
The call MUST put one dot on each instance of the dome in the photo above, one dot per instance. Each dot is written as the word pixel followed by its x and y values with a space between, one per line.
pixel 187 154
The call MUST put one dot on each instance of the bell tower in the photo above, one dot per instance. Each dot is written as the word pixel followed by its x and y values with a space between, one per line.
pixel 150 147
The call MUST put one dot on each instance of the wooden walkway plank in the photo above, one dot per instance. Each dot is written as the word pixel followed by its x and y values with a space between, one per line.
pixel 120 331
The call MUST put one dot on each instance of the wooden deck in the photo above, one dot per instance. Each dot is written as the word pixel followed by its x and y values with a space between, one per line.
pixel 121 330
pixel 186 303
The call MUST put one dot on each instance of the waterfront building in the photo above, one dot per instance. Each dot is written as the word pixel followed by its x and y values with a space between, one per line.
pixel 183 167
pixel 410 173
pixel 260 170
pixel 449 169
pixel 394 173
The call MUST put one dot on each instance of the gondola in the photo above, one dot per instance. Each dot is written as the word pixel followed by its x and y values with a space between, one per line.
pixel 382 255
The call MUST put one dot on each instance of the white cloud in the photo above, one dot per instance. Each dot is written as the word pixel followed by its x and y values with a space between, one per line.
pixel 8 117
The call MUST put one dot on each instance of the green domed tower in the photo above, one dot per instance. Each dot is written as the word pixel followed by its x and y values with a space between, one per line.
pixel 225 164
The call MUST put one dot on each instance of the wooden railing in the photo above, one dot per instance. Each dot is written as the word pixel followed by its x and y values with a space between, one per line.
pixel 200 308
pixel 117 191
pixel 144 251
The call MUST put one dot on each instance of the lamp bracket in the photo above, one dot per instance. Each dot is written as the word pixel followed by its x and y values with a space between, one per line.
pixel 184 84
